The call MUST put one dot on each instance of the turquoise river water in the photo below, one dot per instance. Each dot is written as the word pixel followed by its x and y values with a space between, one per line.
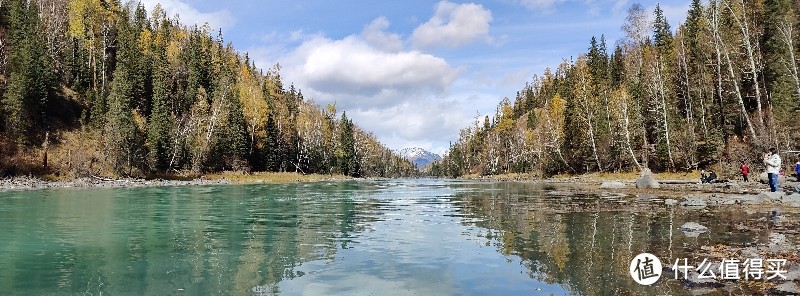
pixel 381 237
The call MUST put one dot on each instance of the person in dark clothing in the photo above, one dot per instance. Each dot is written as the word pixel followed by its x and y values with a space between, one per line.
pixel 711 177
pixel 797 171
pixel 707 178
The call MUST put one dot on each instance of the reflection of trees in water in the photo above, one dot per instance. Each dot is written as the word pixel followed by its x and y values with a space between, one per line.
pixel 580 241
pixel 203 240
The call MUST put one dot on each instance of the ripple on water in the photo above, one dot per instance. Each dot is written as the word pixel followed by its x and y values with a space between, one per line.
pixel 429 237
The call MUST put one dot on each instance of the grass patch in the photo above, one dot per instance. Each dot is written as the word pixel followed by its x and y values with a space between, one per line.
pixel 269 177
pixel 614 175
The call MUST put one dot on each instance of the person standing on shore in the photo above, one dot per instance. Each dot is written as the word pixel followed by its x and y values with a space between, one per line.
pixel 745 171
pixel 773 163
pixel 797 170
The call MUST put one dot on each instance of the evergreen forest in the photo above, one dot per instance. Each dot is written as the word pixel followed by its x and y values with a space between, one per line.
pixel 715 91
pixel 105 88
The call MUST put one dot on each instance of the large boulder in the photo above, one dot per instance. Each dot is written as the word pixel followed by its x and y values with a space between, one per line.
pixel 647 181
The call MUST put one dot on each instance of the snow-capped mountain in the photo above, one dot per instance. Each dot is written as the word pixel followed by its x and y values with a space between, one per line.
pixel 420 157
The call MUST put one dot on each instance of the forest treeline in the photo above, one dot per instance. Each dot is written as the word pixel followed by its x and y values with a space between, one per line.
pixel 100 87
pixel 715 92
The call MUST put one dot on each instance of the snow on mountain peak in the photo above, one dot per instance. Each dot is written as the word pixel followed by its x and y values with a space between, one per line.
pixel 420 157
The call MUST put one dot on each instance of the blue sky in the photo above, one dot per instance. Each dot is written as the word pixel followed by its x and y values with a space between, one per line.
pixel 414 72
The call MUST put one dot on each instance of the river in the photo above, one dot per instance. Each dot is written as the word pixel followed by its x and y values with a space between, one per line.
pixel 367 237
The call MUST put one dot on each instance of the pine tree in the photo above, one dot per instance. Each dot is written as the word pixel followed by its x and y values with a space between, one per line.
pixel 662 34
pixel 29 78
pixel 457 163
pixel 348 164
pixel 196 55
pixel 780 68
pixel 271 145
pixel 693 27
pixel 617 67
pixel 160 123
pixel 598 60
pixel 124 129
pixel 235 139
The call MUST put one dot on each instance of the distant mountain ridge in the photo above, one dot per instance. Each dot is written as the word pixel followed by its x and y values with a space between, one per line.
pixel 420 157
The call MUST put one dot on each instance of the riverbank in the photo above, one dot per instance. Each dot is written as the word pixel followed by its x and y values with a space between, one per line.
pixel 669 186
pixel 679 190
pixel 32 182
pixel 756 224
pixel 766 224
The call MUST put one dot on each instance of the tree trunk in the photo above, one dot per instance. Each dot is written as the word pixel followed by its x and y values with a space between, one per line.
pixel 751 58
pixel 738 92
pixel 689 106
pixel 663 106
pixel 588 118
pixel 626 129
pixel 786 29
pixel 721 50
pixel 703 110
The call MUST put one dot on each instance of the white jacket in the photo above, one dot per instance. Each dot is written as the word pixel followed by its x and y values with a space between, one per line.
pixel 773 164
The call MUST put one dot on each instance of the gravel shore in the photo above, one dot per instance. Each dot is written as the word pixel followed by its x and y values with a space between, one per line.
pixel 32 183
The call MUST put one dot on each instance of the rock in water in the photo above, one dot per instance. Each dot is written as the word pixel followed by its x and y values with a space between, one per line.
pixel 694 203
pixel 646 181
pixel 692 229
pixel 787 288
pixel 612 185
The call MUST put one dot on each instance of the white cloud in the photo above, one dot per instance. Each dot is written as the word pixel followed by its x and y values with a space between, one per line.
pixel 426 124
pixel 189 15
pixel 374 34
pixel 453 25
pixel 404 96
pixel 354 70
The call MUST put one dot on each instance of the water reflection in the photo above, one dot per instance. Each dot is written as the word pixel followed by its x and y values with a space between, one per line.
pixel 424 237
pixel 196 240
pixel 585 242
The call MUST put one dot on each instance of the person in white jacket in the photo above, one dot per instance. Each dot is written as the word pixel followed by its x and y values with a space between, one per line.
pixel 773 163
